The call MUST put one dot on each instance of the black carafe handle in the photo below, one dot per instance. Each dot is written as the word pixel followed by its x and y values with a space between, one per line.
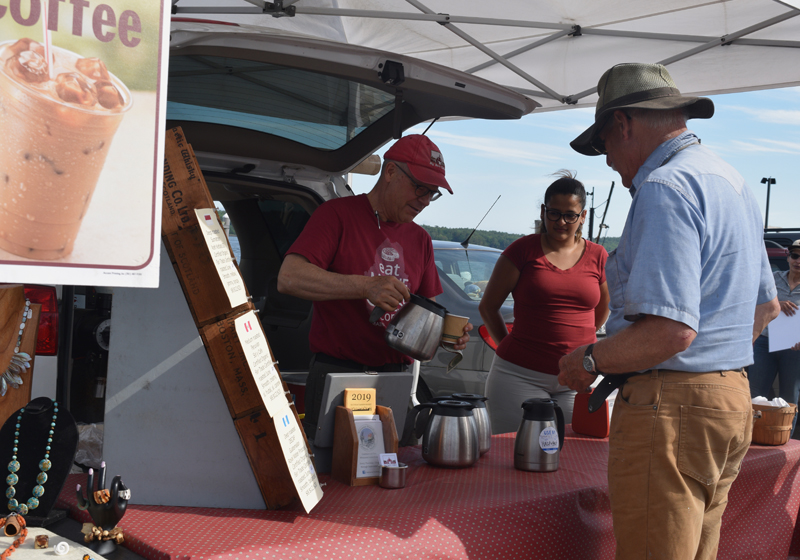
pixel 560 424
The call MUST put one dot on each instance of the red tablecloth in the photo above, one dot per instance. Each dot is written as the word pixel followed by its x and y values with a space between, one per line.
pixel 486 511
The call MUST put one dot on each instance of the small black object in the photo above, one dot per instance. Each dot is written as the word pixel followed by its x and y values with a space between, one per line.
pixel 605 388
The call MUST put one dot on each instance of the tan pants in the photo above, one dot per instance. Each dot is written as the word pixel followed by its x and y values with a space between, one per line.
pixel 676 445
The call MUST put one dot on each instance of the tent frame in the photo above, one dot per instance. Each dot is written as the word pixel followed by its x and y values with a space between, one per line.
pixel 289 8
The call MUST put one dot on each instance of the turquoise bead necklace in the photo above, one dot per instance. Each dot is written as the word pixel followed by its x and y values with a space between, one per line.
pixel 41 478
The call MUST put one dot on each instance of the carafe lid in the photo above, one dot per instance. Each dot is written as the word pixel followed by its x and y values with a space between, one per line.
pixel 539 409
pixel 453 408
pixel 478 400
pixel 428 304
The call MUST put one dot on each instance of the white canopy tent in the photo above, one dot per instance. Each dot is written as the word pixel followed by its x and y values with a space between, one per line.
pixel 554 51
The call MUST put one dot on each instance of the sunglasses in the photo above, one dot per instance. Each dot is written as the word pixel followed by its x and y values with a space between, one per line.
pixel 555 215
pixel 597 143
pixel 420 190
pixel 794 256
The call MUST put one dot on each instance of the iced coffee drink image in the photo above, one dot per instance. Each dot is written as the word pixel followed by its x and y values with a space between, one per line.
pixel 56 127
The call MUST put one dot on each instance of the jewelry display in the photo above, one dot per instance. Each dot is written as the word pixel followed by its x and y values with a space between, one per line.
pixel 106 506
pixel 13 525
pixel 14 466
pixel 20 361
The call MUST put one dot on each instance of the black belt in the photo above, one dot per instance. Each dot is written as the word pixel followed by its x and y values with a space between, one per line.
pixel 355 366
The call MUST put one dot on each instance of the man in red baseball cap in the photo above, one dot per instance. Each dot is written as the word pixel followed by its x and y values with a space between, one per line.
pixel 359 253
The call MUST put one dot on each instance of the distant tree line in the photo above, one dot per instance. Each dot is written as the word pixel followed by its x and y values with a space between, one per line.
pixel 496 239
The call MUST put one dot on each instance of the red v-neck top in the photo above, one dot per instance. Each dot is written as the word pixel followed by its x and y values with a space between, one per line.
pixel 553 308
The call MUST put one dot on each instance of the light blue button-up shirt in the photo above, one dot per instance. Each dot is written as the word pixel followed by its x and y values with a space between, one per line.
pixel 693 251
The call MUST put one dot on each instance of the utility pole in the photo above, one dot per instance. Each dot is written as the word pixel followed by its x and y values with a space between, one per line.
pixel 769 181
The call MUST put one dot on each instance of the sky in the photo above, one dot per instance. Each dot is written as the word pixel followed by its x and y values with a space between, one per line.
pixel 757 132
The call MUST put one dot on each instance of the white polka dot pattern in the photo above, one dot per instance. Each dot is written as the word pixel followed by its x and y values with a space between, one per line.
pixel 488 511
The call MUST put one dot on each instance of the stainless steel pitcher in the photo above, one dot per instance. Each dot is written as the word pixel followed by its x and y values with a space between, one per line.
pixel 450 436
pixel 540 436
pixel 482 420
pixel 416 330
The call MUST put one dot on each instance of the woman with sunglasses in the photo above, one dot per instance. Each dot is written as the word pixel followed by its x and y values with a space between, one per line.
pixel 558 282
pixel 785 364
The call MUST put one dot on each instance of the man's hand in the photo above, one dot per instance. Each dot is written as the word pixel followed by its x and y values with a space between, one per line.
pixel 461 343
pixel 387 292
pixel 571 372
pixel 788 307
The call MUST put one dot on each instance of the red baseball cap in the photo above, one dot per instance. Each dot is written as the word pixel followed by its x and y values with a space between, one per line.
pixel 424 160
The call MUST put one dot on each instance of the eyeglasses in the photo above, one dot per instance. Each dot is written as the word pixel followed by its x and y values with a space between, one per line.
pixel 794 256
pixel 555 215
pixel 420 190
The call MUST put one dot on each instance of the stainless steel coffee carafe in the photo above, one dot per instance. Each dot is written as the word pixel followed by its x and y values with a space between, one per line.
pixel 416 330
pixel 540 436
pixel 450 436
pixel 482 420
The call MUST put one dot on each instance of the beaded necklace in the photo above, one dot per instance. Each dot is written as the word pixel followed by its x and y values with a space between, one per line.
pixel 41 478
pixel 20 361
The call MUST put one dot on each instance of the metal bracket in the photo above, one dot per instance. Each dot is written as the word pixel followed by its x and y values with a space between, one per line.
pixel 446 21
pixel 277 10
pixel 576 31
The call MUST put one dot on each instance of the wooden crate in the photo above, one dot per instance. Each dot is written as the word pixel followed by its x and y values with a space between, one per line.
pixel 184 192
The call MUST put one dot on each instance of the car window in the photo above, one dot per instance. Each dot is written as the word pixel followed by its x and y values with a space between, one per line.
pixel 778 264
pixel 469 270
pixel 307 107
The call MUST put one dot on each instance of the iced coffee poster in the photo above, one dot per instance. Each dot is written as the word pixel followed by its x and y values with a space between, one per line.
pixel 82 98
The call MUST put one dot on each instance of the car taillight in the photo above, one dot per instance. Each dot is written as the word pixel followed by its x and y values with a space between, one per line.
pixel 47 343
pixel 488 339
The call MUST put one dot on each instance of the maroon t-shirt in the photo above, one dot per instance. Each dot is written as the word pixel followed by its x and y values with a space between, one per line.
pixel 553 308
pixel 343 236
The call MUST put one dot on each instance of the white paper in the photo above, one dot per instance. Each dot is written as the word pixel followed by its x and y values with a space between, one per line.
pixel 301 468
pixel 369 432
pixel 784 332
pixel 221 254
pixel 259 358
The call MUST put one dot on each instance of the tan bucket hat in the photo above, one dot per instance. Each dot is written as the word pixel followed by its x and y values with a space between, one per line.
pixel 634 84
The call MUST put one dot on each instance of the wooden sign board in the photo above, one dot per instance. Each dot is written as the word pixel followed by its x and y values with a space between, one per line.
pixel 231 368
pixel 260 441
pixel 189 244
pixel 198 275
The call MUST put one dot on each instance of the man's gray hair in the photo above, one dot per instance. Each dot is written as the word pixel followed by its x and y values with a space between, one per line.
pixel 659 119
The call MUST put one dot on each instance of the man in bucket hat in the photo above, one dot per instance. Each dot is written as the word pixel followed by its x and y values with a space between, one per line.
pixel 361 252
pixel 691 287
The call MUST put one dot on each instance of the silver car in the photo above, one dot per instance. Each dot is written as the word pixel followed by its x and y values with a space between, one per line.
pixel 464 273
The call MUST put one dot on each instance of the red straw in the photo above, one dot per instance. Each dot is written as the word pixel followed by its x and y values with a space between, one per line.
pixel 48 47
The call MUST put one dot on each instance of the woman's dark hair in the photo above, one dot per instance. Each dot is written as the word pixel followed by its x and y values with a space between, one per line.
pixel 568 185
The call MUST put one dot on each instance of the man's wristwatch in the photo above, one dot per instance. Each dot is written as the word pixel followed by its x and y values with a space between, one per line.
pixel 588 361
